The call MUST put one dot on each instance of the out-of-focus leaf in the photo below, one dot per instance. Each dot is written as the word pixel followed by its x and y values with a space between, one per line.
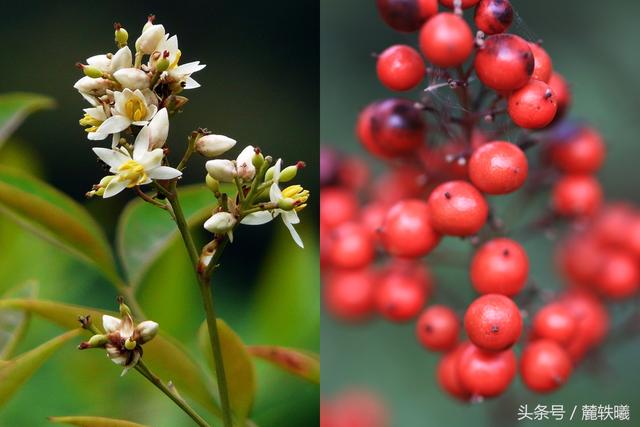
pixel 14 323
pixel 164 355
pixel 15 107
pixel 54 216
pixel 238 367
pixel 145 232
pixel 14 373
pixel 94 422
pixel 300 363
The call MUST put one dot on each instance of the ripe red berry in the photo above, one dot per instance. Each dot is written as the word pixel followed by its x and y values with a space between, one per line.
pixel 533 106
pixel 498 167
pixel 406 182
pixel 337 206
pixel 579 259
pixel 500 266
pixel 542 65
pixel 352 246
pixel 438 328
pixel 493 322
pixel 544 366
pixel 407 231
pixel 632 243
pixel 448 373
pixel 372 216
pixel 577 195
pixel 486 373
pixel 406 15
pixel 465 4
pixel 358 408
pixel 401 295
pixel 349 295
pixel 354 173
pixel 493 16
pixel 397 126
pixel 504 63
pixel 592 320
pixel 619 276
pixel 612 226
pixel 583 153
pixel 446 40
pixel 562 91
pixel 457 209
pixel 400 68
pixel 554 322
pixel 365 135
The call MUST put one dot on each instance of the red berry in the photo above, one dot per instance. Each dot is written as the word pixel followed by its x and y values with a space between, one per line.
pixel 400 67
pixel 358 408
pixel 486 373
pixel 544 366
pixel 349 295
pixel 401 295
pixel 354 173
pixel 446 40
pixel 438 328
pixel 504 63
pixel 365 134
pixel 352 246
pixel 372 216
pixel 448 373
pixel 337 206
pixel 533 106
pixel 397 126
pixel 579 259
pixel 493 16
pixel 457 209
pixel 493 322
pixel 406 15
pixel 407 231
pixel 581 154
pixel 577 195
pixel 465 4
pixel 632 243
pixel 619 276
pixel 498 167
pixel 500 266
pixel 406 182
pixel 562 91
pixel 554 322
pixel 612 226
pixel 592 320
pixel 542 66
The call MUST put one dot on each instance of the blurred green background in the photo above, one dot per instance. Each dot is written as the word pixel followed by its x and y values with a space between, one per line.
pixel 594 45
pixel 260 87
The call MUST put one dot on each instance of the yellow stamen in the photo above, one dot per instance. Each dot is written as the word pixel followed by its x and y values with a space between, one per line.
pixel 291 191
pixel 299 208
pixel 174 63
pixel 92 122
pixel 133 172
pixel 135 109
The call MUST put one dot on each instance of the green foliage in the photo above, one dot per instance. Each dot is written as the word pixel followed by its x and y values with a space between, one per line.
pixel 15 107
pixel 14 323
pixel 93 422
pixel 300 363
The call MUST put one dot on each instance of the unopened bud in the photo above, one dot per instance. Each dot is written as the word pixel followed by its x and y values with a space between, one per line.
pixel 286 204
pixel 92 86
pixel 98 341
pixel 257 160
pixel 149 39
pixel 162 65
pixel 214 145
pixel 92 72
pixel 220 223
pixel 212 183
pixel 288 173
pixel 221 169
pixel 122 36
pixel 244 164
pixel 132 78
pixel 147 330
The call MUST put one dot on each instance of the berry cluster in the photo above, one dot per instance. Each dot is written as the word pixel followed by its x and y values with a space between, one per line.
pixel 446 163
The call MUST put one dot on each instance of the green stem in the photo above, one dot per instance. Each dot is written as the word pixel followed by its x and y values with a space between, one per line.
pixel 144 370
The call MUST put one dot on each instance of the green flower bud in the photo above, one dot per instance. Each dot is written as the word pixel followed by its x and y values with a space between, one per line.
pixel 286 204
pixel 98 341
pixel 122 36
pixel 288 173
pixel 212 183
pixel 257 160
pixel 92 72
pixel 162 65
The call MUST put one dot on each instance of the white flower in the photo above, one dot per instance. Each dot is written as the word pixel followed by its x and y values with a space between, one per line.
pixel 220 222
pixel 132 78
pixel 159 129
pixel 289 217
pixel 177 73
pixel 221 169
pixel 112 63
pixel 90 86
pixel 131 108
pixel 148 41
pixel 124 340
pixel 139 169
pixel 244 164
pixel 214 145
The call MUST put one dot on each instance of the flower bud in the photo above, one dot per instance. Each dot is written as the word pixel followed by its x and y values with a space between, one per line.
pixel 221 170
pixel 244 164
pixel 132 78
pixel 92 72
pixel 288 173
pixel 162 65
pixel 214 145
pixel 147 330
pixel 158 129
pixel 149 39
pixel 98 341
pixel 220 223
pixel 122 36
pixel 286 204
pixel 212 183
pixel 91 86
pixel 121 59
pixel 257 160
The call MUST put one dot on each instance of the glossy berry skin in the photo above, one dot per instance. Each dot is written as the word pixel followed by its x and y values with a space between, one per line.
pixel 406 15
pixel 437 328
pixel 448 373
pixel 562 91
pixel 352 246
pixel 533 106
pixel 401 295
pixel 465 4
pixel 407 231
pixel 365 135
pixel 493 322
pixel 576 195
pixel 545 366
pixel 583 153
pixel 542 65
pixel 337 206
pixel 619 276
pixel 504 63
pixel 400 68
pixel 457 209
pixel 498 167
pixel 554 322
pixel 349 295
pixel 397 126
pixel 500 266
pixel 493 16
pixel 372 217
pixel 446 40
pixel 486 373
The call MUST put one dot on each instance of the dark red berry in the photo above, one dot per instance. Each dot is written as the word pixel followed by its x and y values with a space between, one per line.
pixel 493 322
pixel 500 266
pixel 400 68
pixel 365 134
pixel 406 15
pixel 504 62
pixel 498 167
pixel 457 209
pixel 397 126
pixel 493 16
pixel 446 40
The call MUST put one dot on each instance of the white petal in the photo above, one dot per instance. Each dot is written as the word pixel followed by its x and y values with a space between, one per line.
pixel 159 129
pixel 121 59
pixel 141 145
pixel 151 159
pixel 90 99
pixel 164 172
pixel 97 136
pixel 275 193
pixel 276 171
pixel 294 233
pixel 115 140
pixel 191 84
pixel 259 218
pixel 114 124
pixel 114 187
pixel 291 216
pixel 110 323
pixel 189 68
pixel 113 158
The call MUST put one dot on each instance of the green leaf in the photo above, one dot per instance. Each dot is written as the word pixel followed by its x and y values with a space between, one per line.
pixel 14 373
pixel 15 107
pixel 94 422
pixel 146 232
pixel 300 363
pixel 238 367
pixel 164 355
pixel 14 323
pixel 55 217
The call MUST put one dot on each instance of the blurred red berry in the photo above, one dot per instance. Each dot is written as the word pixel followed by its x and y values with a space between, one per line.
pixel 349 295
pixel 555 322
pixel 486 373
pixel 337 206
pixel 406 15
pixel 577 195
pixel 400 296
pixel 544 366
pixel 438 328
pixel 407 230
